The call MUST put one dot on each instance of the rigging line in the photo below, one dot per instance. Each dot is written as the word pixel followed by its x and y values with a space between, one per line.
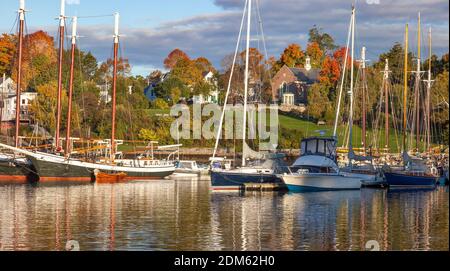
pixel 263 41
pixel 15 24
pixel 128 96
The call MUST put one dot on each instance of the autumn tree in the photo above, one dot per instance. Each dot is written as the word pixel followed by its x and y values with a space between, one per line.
pixel 204 64
pixel 43 108
pixel 38 62
pixel 7 52
pixel 324 40
pixel 255 64
pixel 315 54
pixel 173 57
pixel 330 72
pixel 187 71
pixel 319 106
pixel 105 70
pixel 292 56
pixel 154 76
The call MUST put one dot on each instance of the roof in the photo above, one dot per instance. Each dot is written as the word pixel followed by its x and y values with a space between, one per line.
pixel 205 73
pixel 309 76
pixel 7 78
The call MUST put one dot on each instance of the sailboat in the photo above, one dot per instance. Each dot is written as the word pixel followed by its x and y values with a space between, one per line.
pixel 13 168
pixel 361 165
pixel 316 169
pixel 225 177
pixel 414 172
pixel 55 168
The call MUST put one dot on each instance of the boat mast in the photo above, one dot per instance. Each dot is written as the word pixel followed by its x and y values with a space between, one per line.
pixel 247 54
pixel 364 94
pixel 219 131
pixel 60 64
pixel 429 83
pixel 69 107
pixel 19 68
pixel 343 77
pixel 386 104
pixel 417 87
pixel 405 88
pixel 113 96
pixel 2 99
pixel 351 83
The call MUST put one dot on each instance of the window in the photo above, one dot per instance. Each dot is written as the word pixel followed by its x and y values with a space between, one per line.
pixel 282 89
pixel 24 101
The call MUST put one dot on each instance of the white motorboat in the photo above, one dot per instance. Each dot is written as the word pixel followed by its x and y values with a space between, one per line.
pixel 316 169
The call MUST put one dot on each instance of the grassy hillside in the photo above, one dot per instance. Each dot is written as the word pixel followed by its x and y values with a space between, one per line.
pixel 307 128
pixel 311 129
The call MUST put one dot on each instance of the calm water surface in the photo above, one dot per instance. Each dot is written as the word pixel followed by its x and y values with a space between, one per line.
pixel 185 215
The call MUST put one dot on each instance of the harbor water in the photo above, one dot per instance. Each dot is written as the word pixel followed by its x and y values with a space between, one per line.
pixel 186 215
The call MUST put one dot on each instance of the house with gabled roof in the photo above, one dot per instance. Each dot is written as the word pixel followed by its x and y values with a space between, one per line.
pixel 290 85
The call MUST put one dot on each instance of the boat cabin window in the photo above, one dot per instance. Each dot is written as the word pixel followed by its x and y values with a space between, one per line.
pixel 185 165
pixel 319 146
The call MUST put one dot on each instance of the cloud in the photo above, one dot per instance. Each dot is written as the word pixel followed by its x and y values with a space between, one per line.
pixel 214 35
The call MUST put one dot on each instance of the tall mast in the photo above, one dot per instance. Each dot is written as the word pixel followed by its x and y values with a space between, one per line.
pixel 69 106
pixel 417 87
pixel 60 63
pixel 351 82
pixel 114 86
pixel 19 68
pixel 386 104
pixel 219 131
pixel 405 88
pixel 364 94
pixel 247 53
pixel 2 99
pixel 429 83
pixel 343 77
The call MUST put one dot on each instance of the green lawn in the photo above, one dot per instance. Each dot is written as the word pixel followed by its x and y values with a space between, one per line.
pixel 308 129
pixel 312 129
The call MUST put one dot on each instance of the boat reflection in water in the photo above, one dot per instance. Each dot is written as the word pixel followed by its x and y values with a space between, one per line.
pixel 184 215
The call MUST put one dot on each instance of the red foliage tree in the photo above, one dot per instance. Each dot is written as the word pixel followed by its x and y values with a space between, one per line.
pixel 173 57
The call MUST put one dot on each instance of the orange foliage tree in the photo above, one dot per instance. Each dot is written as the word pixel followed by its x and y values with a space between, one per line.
pixel 7 52
pixel 331 68
pixel 173 57
pixel 293 56
pixel 315 53
pixel 39 60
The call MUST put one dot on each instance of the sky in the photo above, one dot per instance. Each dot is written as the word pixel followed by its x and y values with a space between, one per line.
pixel 150 29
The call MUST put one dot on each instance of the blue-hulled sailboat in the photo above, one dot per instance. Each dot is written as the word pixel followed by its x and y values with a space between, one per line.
pixel 414 173
pixel 256 167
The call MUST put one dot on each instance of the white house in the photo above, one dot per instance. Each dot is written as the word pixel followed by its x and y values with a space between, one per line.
pixel 8 100
pixel 104 95
pixel 213 96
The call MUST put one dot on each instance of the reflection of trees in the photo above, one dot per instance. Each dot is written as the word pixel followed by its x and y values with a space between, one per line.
pixel 184 215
